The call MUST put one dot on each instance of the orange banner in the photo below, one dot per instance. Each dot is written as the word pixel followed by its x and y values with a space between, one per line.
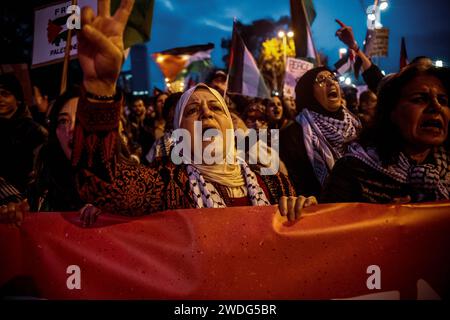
pixel 338 251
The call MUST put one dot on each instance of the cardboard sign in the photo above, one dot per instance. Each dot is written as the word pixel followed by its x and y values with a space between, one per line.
pixel 378 44
pixel 295 69
pixel 50 32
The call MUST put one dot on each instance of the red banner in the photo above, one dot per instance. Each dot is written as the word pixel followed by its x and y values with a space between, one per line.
pixel 334 252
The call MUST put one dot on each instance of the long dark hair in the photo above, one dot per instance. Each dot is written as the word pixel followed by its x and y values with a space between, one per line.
pixel 56 181
pixel 384 135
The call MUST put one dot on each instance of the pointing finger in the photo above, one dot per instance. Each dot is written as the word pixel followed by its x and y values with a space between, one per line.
pixel 340 23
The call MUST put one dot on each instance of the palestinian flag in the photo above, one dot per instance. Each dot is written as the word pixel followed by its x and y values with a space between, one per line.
pixel 139 26
pixel 303 15
pixel 345 64
pixel 180 61
pixel 244 75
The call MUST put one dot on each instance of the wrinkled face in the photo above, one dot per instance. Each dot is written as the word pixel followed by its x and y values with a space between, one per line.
pixel 327 91
pixel 203 106
pixel 160 103
pixel 139 107
pixel 8 104
pixel 275 109
pixel 66 125
pixel 422 114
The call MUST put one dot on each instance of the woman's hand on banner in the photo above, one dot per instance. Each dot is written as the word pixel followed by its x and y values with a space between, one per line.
pixel 13 212
pixel 291 207
pixel 89 214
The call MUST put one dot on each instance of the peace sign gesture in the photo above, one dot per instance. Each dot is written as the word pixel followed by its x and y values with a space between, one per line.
pixel 345 34
pixel 100 46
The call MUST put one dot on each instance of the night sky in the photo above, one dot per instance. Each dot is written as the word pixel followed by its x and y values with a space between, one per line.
pixel 187 22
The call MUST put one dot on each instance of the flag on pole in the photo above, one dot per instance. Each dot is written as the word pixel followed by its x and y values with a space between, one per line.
pixel 345 64
pixel 172 62
pixel 139 26
pixel 403 54
pixel 244 76
pixel 303 15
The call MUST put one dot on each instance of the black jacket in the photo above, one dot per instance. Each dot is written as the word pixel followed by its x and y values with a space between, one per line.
pixel 20 137
pixel 293 154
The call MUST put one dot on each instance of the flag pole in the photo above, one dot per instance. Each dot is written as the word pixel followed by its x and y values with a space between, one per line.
pixel 229 66
pixel 308 29
pixel 66 58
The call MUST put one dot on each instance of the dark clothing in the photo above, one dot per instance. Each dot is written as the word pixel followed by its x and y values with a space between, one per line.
pixel 372 77
pixel 39 117
pixel 351 180
pixel 141 135
pixel 20 137
pixel 55 188
pixel 293 154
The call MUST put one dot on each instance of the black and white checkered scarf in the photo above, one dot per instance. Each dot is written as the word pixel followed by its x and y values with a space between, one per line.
pixel 326 139
pixel 206 195
pixel 424 179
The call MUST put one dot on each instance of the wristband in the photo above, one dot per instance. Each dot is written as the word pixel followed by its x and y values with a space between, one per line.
pixel 100 98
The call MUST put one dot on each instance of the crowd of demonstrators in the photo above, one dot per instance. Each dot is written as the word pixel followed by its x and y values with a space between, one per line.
pixel 103 151
pixel 404 156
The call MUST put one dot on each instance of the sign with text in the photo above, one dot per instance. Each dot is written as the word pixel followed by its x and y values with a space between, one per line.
pixel 379 45
pixel 50 31
pixel 295 69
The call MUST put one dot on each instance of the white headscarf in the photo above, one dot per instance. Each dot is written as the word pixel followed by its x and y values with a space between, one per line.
pixel 229 175
pixel 225 174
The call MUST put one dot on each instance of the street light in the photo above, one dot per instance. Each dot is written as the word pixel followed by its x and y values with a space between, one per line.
pixel 439 63
pixel 384 5
pixel 282 34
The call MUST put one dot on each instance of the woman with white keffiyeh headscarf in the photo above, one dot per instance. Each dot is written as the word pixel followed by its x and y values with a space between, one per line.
pixel 212 184
pixel 319 137
pixel 405 156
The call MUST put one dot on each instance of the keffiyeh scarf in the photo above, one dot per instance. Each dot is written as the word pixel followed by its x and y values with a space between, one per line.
pixel 206 195
pixel 424 179
pixel 326 139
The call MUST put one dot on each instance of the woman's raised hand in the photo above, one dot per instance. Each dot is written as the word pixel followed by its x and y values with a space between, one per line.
pixel 100 46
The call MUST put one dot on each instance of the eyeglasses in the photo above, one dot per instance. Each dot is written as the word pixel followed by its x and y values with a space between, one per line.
pixel 321 80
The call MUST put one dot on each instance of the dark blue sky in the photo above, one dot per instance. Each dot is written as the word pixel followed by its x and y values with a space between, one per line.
pixel 424 23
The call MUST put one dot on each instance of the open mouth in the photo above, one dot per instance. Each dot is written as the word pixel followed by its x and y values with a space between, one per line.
pixel 333 94
pixel 432 124
pixel 207 127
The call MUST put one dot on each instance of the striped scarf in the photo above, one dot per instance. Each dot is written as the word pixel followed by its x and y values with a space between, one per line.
pixel 326 138
pixel 424 179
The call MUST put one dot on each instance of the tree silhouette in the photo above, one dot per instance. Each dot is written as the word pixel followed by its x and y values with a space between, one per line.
pixel 255 34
